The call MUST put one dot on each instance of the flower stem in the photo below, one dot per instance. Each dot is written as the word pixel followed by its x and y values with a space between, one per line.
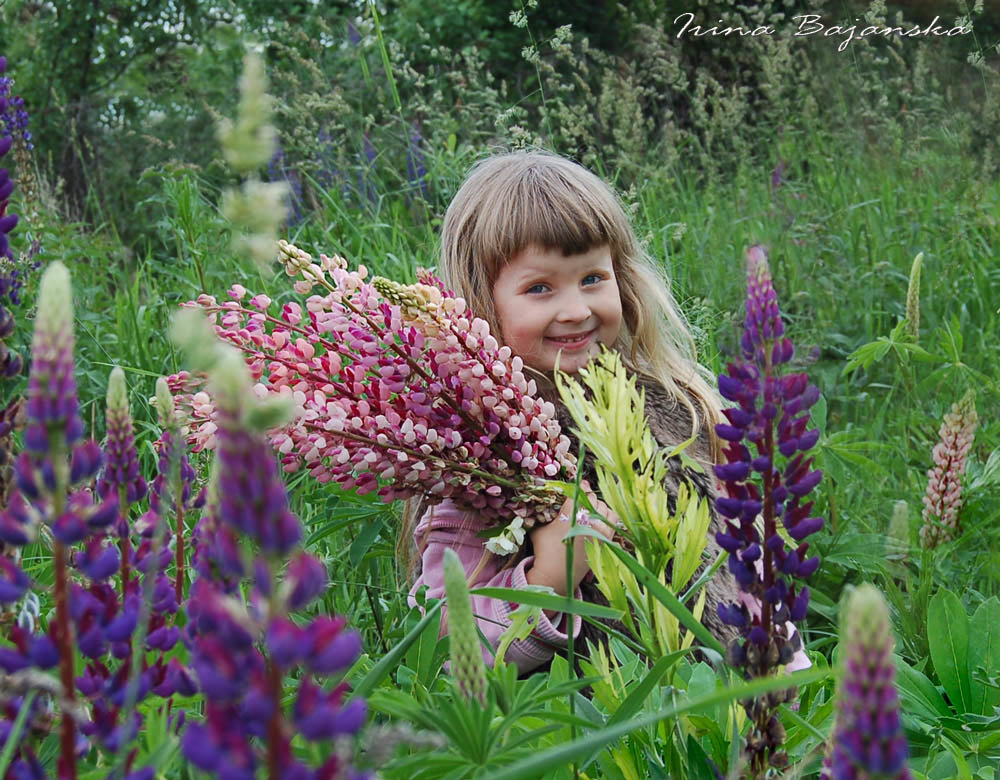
pixel 124 544
pixel 179 581
pixel 568 617
pixel 67 759
pixel 769 531
pixel 274 729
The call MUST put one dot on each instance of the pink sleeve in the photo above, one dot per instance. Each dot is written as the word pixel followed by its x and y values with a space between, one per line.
pixel 492 615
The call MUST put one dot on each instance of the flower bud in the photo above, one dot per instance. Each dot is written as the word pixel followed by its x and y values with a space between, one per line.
pixel 467 664
pixel 868 737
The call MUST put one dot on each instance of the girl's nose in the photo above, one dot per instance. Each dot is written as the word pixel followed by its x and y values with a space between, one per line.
pixel 573 308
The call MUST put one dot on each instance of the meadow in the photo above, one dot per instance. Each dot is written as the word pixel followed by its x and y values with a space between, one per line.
pixel 870 178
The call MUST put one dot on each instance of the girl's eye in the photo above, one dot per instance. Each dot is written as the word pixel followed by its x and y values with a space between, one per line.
pixel 541 288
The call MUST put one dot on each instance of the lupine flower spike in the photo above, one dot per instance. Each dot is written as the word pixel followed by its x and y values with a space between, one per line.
pixel 7 221
pixel 121 470
pixel 943 499
pixel 913 299
pixel 173 489
pixel 868 741
pixel 243 649
pixel 257 209
pixel 467 665
pixel 15 136
pixel 10 362
pixel 397 389
pixel 53 463
pixel 772 416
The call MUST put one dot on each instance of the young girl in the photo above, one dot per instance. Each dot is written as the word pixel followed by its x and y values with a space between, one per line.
pixel 542 250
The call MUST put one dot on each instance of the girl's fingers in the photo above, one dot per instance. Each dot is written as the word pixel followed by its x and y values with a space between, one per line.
pixel 602 528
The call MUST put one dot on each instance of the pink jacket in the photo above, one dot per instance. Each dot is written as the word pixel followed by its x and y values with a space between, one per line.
pixel 445 525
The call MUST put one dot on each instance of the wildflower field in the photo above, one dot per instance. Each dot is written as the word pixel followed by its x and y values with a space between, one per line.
pixel 199 522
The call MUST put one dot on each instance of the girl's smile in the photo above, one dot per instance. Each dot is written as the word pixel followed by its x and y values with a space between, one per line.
pixel 547 303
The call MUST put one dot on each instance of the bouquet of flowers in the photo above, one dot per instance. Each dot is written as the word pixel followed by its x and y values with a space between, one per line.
pixel 397 388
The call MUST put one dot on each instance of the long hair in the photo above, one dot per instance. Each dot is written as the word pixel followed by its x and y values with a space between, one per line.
pixel 519 199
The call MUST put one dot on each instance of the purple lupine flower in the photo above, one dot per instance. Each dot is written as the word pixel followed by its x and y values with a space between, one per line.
pixel 53 427
pixel 13 115
pixel 278 170
pixel 175 469
pixel 327 173
pixel 305 580
pixel 772 417
pixel 13 130
pixel 252 498
pixel 52 479
pixel 121 475
pixel 240 650
pixel 366 172
pixel 121 466
pixel 7 221
pixel 868 738
pixel 13 582
pixel 352 33
pixel 53 409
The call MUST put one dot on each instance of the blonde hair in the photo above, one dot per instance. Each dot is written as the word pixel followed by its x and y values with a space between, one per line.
pixel 519 199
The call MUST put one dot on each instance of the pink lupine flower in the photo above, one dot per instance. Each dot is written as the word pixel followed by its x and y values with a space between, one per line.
pixel 397 389
pixel 944 487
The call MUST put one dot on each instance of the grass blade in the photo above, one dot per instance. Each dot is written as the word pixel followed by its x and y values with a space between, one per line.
pixel 549 601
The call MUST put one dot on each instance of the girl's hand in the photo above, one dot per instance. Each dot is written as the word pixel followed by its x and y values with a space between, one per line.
pixel 549 566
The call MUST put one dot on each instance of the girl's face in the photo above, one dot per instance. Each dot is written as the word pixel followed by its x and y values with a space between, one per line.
pixel 547 302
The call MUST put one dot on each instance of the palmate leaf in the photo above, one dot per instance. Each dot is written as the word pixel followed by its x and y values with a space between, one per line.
pixel 897 341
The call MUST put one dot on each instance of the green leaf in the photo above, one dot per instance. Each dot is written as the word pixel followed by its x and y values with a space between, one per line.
pixel 818 415
pixel 984 650
pixel 549 601
pixel 391 659
pixel 699 767
pixel 668 599
pixel 990 474
pixel 948 635
pixel 364 540
pixel 522 622
pixel 866 354
pixel 634 701
pixel 564 754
